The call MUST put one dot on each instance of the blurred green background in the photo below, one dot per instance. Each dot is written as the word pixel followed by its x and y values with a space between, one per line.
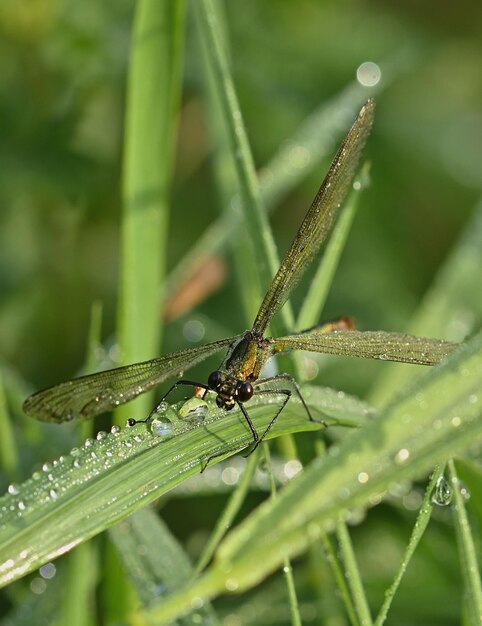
pixel 62 77
pixel 62 74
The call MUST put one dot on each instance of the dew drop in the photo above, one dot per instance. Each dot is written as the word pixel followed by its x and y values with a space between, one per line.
pixel 13 489
pixel 442 493
pixel 193 409
pixel 161 427
pixel 368 74
pixel 402 455
pixel 101 435
pixel 115 430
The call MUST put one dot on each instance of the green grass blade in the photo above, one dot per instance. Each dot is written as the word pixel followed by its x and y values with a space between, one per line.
pixel 78 587
pixel 152 108
pixel 8 447
pixel 340 579
pixel 230 511
pixel 107 479
pixel 470 473
pixel 432 420
pixel 419 528
pixel 228 185
pixel 352 573
pixel 287 567
pixel 255 219
pixel 156 562
pixel 467 554
pixel 75 606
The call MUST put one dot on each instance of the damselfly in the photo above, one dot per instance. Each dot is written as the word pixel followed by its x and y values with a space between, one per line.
pixel 239 376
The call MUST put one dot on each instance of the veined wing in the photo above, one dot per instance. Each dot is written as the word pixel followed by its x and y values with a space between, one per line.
pixel 93 394
pixel 319 219
pixel 371 345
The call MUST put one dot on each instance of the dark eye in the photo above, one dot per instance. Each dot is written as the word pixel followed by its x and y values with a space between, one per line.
pixel 245 391
pixel 215 380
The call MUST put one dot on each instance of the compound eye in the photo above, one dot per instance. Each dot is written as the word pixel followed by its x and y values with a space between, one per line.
pixel 215 379
pixel 245 391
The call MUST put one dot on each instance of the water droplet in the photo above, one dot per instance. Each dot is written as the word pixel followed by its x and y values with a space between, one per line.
pixel 231 584
pixel 193 409
pixel 88 443
pixel 442 493
pixel 197 603
pixel 115 430
pixel 13 489
pixel 53 494
pixel 363 477
pixel 194 331
pixel 21 505
pixel 48 570
pixel 464 492
pixel 230 476
pixel 402 455
pixel 368 74
pixel 291 468
pixel 161 427
pixel 101 435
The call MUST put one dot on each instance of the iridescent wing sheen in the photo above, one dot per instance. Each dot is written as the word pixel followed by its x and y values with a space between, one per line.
pixel 319 219
pixel 87 396
pixel 371 344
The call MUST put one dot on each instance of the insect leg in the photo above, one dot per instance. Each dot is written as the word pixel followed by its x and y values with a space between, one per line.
pixel 254 432
pixel 287 394
pixel 190 383
pixel 292 381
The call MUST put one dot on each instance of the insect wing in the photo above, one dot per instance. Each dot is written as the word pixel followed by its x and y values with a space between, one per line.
pixel 371 344
pixel 87 396
pixel 319 219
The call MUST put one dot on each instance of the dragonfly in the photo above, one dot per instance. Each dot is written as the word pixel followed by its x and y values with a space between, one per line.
pixel 239 376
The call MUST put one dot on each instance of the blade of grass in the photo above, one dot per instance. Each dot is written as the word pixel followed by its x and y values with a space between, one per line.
pixel 230 511
pixel 8 447
pixel 352 573
pixel 439 415
pixel 228 183
pixel 470 473
pixel 336 563
pixel 255 219
pixel 467 553
pixel 153 91
pixel 156 561
pixel 77 601
pixel 418 531
pixel 83 493
pixel 287 568
pixel 340 578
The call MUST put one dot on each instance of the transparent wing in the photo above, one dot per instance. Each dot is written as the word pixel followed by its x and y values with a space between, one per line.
pixel 371 345
pixel 319 219
pixel 87 396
